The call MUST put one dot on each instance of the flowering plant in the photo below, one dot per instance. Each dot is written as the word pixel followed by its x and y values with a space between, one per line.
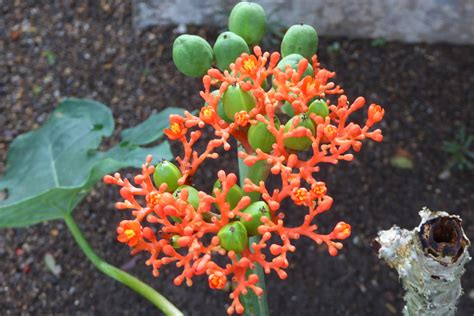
pixel 285 115
pixel 177 224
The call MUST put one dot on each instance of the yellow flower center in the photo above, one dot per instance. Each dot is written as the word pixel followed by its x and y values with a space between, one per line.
pixel 217 281
pixel 175 128
pixel 300 195
pixel 130 233
pixel 331 131
pixel 319 190
pixel 154 198
pixel 249 64
pixel 242 118
pixel 207 112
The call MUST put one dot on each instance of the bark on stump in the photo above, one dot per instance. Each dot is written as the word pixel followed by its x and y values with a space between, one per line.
pixel 429 260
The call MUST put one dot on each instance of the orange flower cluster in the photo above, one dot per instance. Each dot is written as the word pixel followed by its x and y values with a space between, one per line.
pixel 191 242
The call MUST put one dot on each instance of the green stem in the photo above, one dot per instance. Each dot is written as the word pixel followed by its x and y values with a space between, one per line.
pixel 123 277
pixel 255 305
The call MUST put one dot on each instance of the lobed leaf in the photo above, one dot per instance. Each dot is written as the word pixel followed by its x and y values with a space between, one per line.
pixel 51 169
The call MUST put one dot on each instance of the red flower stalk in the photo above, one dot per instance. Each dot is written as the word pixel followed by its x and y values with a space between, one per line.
pixel 172 230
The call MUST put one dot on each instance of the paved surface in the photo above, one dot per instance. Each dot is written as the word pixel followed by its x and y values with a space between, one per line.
pixel 405 20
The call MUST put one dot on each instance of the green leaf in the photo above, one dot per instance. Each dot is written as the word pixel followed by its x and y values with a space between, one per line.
pixel 51 169
pixel 151 129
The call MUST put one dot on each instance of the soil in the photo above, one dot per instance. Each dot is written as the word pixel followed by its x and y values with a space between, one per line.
pixel 50 51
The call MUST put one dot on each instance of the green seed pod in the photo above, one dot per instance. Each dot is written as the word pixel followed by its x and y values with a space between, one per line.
pixel 233 236
pixel 256 210
pixel 221 113
pixel 260 137
pixel 192 55
pixel 319 107
pixel 193 195
pixel 299 143
pixel 220 108
pixel 227 48
pixel 300 39
pixel 166 172
pixel 248 20
pixel 174 241
pixel 233 196
pixel 236 100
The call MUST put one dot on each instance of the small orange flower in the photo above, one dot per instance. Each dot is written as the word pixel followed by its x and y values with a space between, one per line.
pixel 176 129
pixel 299 195
pixel 376 113
pixel 330 132
pixel 129 232
pixel 308 83
pixel 318 190
pixel 217 280
pixel 242 118
pixel 154 198
pixel 207 114
pixel 249 65
pixel 341 231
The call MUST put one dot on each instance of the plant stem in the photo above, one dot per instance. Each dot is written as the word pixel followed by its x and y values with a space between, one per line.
pixel 254 305
pixel 123 277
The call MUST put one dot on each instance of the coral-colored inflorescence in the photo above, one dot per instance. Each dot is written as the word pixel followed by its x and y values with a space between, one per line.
pixel 153 227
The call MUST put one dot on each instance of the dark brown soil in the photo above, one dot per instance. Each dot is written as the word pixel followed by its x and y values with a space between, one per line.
pixel 426 90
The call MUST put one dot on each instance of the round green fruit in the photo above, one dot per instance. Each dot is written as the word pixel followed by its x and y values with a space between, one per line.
pixel 300 39
pixel 193 195
pixel 228 47
pixel 166 172
pixel 235 100
pixel 256 210
pixel 260 137
pixel 174 241
pixel 303 142
pixel 319 107
pixel 233 196
pixel 234 237
pixel 248 20
pixel 192 55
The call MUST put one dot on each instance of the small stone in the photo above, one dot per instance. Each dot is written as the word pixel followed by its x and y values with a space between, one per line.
pixel 391 308
pixel 444 175
pixel 180 29
pixel 471 294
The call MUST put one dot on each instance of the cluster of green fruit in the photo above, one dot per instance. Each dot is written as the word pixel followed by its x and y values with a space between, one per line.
pixel 259 137
pixel 193 56
pixel 233 236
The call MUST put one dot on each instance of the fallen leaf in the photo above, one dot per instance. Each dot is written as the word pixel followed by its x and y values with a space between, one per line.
pixel 51 264
pixel 401 162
